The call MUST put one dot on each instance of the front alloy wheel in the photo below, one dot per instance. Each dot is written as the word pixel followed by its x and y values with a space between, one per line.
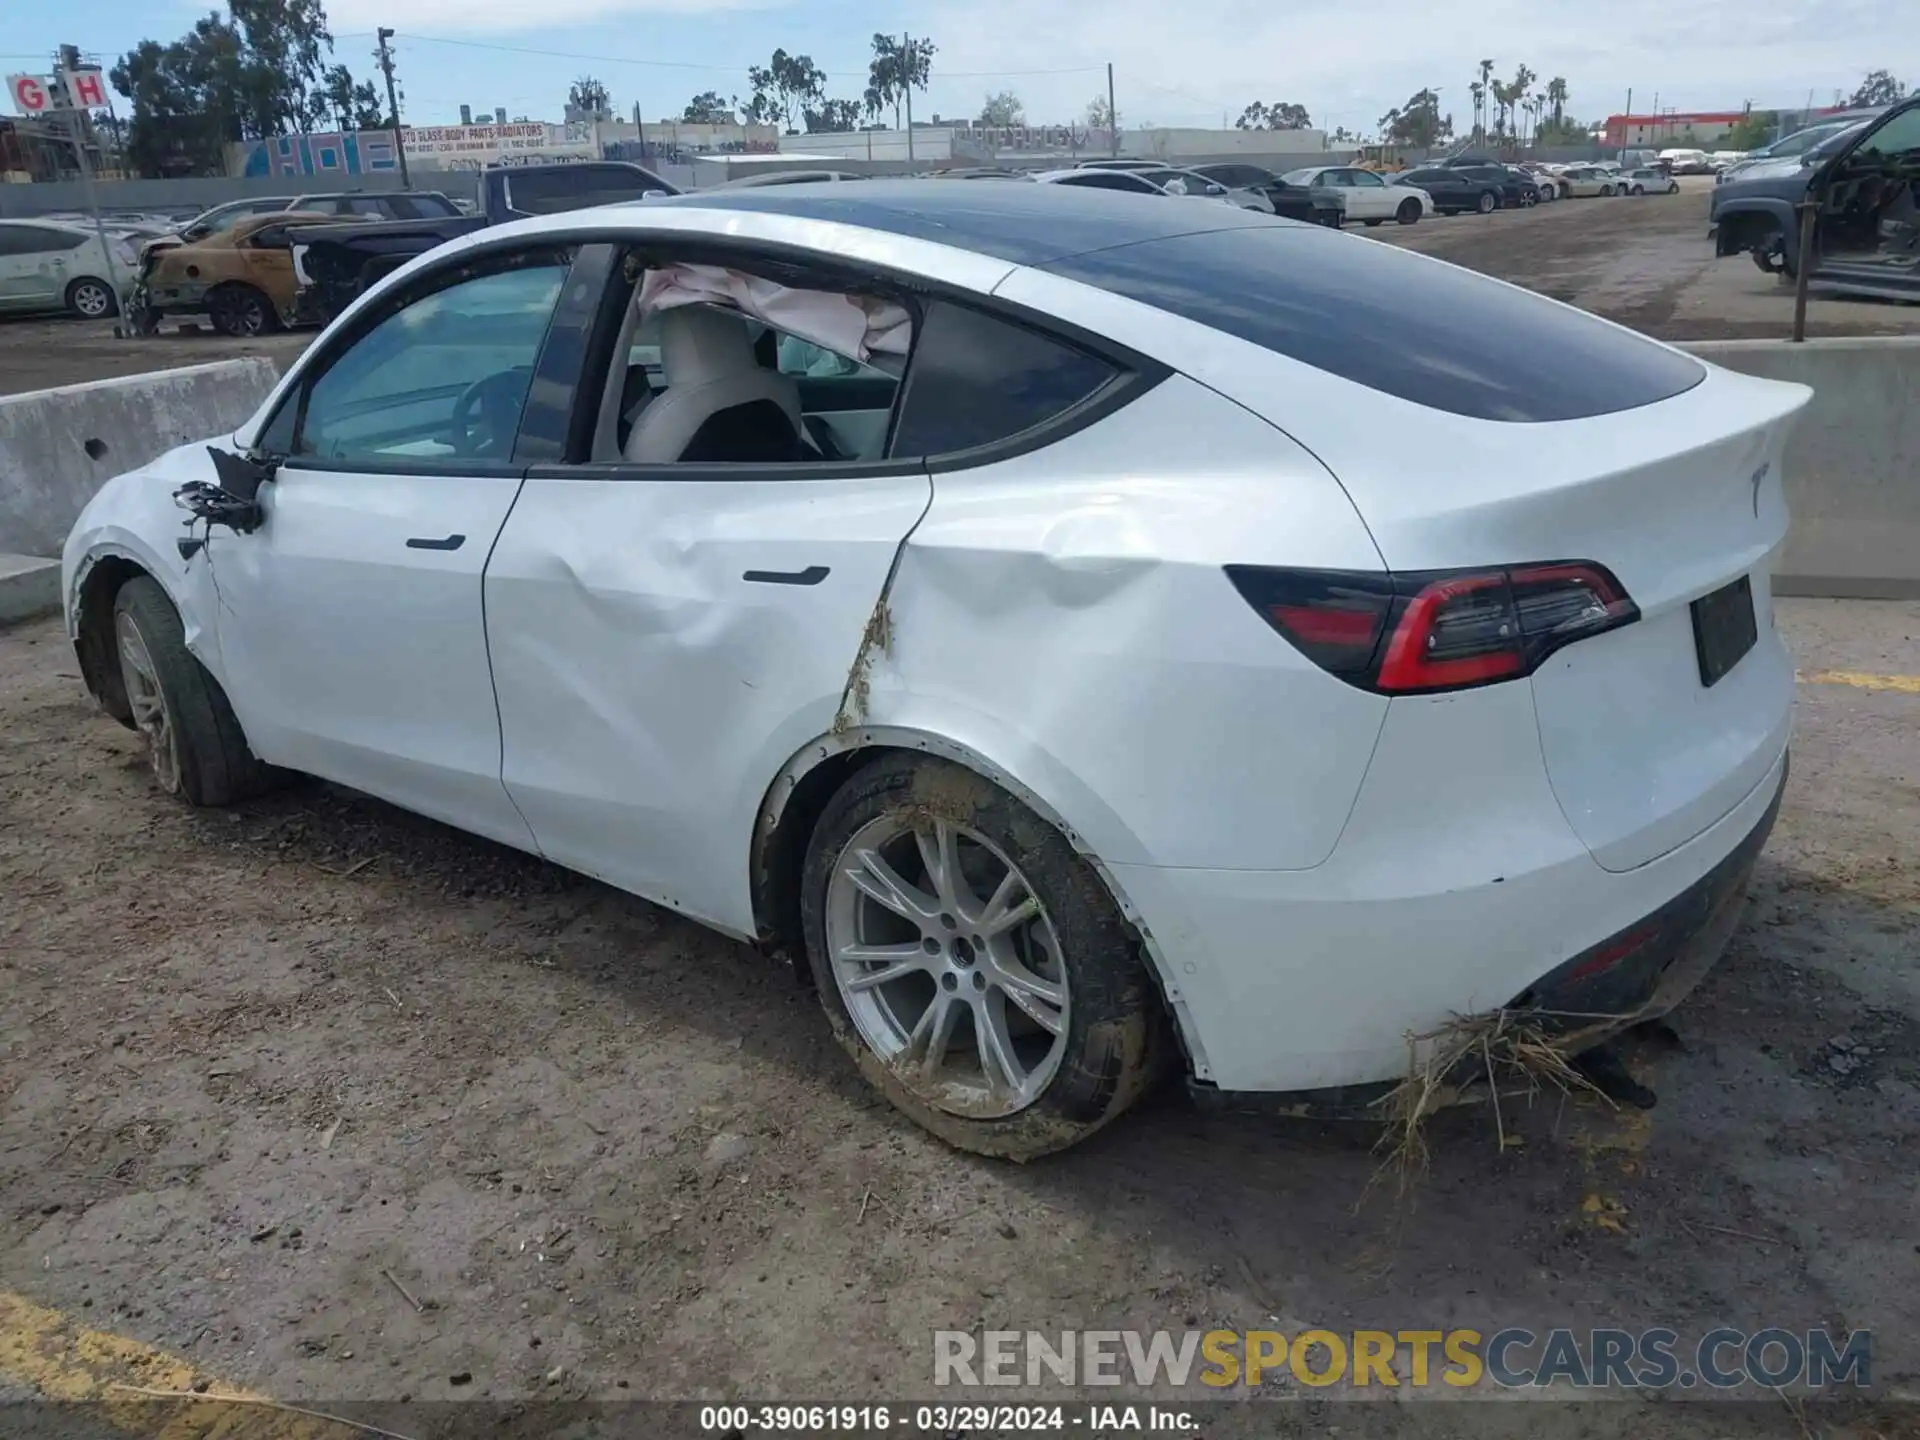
pixel 148 701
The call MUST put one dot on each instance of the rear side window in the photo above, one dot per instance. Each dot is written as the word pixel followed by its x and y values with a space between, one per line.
pixel 1393 321
pixel 976 379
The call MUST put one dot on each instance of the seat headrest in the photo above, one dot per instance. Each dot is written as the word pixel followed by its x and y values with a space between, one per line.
pixel 699 343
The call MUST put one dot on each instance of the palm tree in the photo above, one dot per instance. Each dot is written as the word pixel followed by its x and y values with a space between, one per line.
pixel 1539 107
pixel 1557 93
pixel 1486 86
pixel 1479 94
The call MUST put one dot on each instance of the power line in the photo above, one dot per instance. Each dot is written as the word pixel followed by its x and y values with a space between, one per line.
pixel 731 69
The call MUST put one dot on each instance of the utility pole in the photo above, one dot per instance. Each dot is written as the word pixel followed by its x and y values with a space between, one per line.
pixel 1113 116
pixel 906 55
pixel 1626 126
pixel 385 56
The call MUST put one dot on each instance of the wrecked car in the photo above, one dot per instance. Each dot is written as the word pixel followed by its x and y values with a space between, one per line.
pixel 1865 181
pixel 241 277
pixel 834 565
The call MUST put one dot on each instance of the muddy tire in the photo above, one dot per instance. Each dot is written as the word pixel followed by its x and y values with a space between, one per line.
pixel 91 299
pixel 913 875
pixel 195 744
pixel 241 311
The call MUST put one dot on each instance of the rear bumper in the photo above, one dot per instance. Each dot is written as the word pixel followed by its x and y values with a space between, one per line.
pixel 1454 890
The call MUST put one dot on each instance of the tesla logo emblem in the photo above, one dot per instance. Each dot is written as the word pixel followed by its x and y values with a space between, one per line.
pixel 1754 480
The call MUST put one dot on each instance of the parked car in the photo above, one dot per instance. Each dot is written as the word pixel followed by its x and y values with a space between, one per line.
pixel 1366 195
pixel 221 217
pixel 1788 146
pixel 47 266
pixel 1687 161
pixel 1647 182
pixel 1315 204
pixel 1160 181
pixel 430 569
pixel 1117 164
pixel 369 204
pixel 1867 237
pixel 789 177
pixel 332 266
pixel 240 277
pixel 1453 189
pixel 1581 182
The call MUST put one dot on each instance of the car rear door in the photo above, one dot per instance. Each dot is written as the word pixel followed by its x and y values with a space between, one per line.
pixel 351 632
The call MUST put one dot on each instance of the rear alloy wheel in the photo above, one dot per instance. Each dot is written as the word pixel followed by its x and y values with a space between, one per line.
pixel 1606 190
pixel 1001 1002
pixel 1409 212
pixel 91 299
pixel 241 311
pixel 1488 202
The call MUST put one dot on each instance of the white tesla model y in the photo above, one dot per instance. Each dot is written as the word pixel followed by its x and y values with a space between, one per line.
pixel 1087 634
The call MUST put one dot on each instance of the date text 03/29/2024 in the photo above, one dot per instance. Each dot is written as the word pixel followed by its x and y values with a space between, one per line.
pixel 942 1420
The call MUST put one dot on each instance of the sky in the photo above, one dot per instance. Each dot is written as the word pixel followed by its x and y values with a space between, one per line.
pixel 1174 64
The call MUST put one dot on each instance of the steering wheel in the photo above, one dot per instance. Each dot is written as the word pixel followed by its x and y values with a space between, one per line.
pixel 487 414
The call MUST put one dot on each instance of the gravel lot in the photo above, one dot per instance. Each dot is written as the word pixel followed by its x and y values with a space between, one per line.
pixel 253 1061
pixel 257 1066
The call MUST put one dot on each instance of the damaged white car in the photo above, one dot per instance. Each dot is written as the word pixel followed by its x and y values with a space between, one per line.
pixel 1002 598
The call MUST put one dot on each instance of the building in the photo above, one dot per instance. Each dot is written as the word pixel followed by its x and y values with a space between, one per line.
pixel 1677 129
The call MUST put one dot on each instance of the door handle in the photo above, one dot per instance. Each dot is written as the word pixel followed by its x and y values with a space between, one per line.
pixel 452 542
pixel 812 575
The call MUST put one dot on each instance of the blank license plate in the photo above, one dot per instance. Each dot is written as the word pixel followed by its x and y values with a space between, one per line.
pixel 1723 628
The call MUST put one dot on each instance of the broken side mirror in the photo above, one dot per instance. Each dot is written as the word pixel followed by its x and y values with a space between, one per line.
pixel 234 502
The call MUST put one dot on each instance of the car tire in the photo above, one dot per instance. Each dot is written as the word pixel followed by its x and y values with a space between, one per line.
pixel 241 311
pixel 1639 190
pixel 1371 223
pixel 1487 203
pixel 91 299
pixel 1409 212
pixel 195 745
pixel 1607 191
pixel 1108 1030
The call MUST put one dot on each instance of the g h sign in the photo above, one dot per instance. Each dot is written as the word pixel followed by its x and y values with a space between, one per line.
pixel 32 95
pixel 86 90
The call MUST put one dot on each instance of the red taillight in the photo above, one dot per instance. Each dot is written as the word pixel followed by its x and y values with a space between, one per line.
pixel 1436 630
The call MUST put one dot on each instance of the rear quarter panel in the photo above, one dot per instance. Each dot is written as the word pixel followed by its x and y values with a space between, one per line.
pixel 1065 614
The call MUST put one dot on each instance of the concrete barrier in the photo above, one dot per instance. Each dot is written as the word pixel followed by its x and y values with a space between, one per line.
pixel 1853 464
pixel 57 447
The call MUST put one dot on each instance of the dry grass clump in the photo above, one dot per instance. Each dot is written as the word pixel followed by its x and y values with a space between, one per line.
pixel 1514 1050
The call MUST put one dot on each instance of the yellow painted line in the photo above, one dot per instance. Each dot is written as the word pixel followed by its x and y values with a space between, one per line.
pixel 63 1360
pixel 1905 684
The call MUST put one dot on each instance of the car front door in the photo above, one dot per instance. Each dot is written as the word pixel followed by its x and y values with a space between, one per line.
pixel 1368 199
pixel 350 628
pixel 666 634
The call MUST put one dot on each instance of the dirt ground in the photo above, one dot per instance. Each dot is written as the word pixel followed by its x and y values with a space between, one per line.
pixel 1645 262
pixel 256 1062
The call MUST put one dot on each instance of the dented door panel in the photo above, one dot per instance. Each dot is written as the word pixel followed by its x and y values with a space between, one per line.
pixel 661 648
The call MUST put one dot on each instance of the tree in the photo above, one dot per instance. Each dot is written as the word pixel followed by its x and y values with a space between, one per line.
pixel 1003 111
pixel 1486 91
pixel 261 69
pixel 1479 94
pixel 1100 114
pixel 893 72
pixel 345 104
pixel 832 117
pixel 708 108
pixel 1752 130
pixel 589 97
pixel 1281 115
pixel 1418 124
pixel 1879 88
pixel 1557 97
pixel 783 88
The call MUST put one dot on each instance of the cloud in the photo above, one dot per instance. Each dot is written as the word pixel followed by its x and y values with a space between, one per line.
pixel 1348 63
pixel 522 19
